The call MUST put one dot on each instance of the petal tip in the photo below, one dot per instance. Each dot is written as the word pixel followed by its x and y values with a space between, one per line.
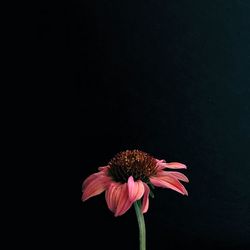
pixel 83 198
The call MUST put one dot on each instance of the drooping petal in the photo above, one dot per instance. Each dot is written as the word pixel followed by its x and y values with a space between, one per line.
pixel 179 176
pixel 145 202
pixel 94 185
pixel 169 182
pixel 123 203
pixel 103 172
pixel 131 187
pixel 135 189
pixel 117 198
pixel 111 196
pixel 162 164
pixel 174 174
pixel 90 179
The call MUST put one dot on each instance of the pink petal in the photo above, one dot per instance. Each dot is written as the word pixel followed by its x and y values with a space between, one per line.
pixel 131 187
pixel 145 202
pixel 111 196
pixel 90 179
pixel 117 198
pixel 174 174
pixel 176 165
pixel 94 185
pixel 169 182
pixel 104 169
pixel 161 164
pixel 123 203
pixel 135 189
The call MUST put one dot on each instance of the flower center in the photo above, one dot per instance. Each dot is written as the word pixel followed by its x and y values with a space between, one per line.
pixel 134 163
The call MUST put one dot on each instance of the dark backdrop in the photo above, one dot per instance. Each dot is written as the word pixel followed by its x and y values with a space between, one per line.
pixel 170 78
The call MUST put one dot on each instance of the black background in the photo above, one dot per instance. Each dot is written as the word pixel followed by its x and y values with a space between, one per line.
pixel 167 77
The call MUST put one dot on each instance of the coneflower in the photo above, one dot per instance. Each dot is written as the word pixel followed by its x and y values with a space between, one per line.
pixel 129 179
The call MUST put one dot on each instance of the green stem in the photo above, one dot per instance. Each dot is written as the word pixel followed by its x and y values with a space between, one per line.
pixel 141 223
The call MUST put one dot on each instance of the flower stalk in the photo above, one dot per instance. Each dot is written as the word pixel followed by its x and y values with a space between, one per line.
pixel 141 223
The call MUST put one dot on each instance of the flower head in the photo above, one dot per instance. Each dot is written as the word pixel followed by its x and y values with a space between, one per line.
pixel 129 176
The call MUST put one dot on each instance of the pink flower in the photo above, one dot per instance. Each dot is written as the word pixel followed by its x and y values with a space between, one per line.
pixel 130 176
